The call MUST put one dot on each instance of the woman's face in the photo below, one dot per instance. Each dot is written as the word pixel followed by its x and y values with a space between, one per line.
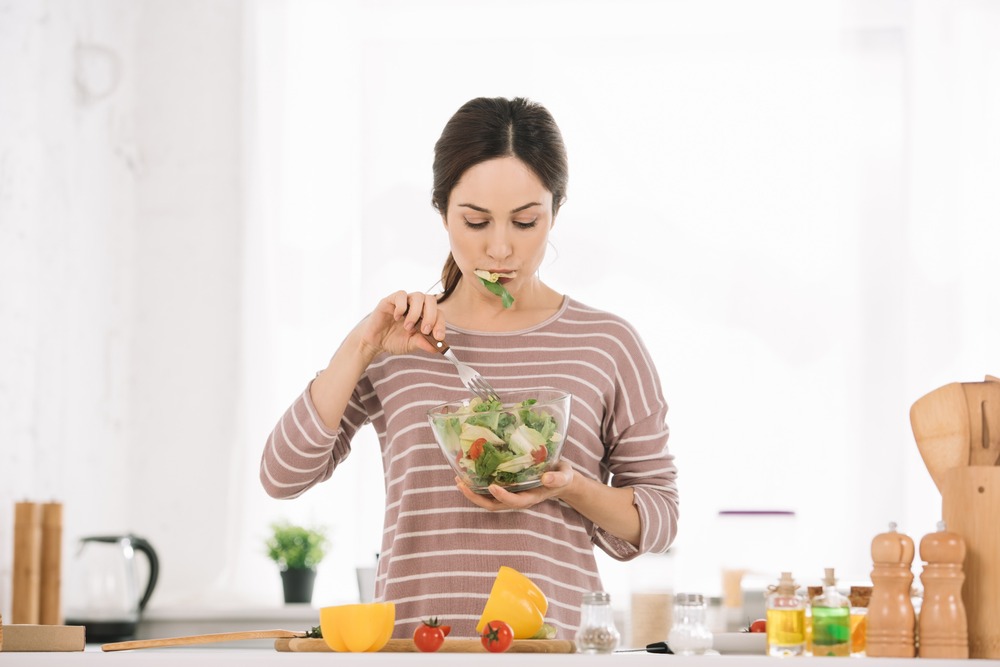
pixel 499 217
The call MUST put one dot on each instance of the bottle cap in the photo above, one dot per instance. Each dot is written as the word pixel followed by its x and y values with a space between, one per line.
pixel 786 584
pixel 828 578
pixel 860 595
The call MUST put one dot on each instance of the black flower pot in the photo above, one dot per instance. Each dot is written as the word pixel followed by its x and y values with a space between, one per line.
pixel 298 584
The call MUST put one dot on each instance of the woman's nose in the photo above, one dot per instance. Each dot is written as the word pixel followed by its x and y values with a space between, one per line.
pixel 499 246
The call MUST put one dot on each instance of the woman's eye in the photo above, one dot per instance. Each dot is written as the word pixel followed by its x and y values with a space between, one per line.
pixel 476 224
pixel 522 224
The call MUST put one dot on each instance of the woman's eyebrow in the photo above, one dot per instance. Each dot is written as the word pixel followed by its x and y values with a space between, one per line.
pixel 486 210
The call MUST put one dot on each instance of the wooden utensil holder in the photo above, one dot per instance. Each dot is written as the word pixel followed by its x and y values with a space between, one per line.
pixel 971 508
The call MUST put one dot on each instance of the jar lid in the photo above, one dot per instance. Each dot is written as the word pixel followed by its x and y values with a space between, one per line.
pixel 689 599
pixel 596 597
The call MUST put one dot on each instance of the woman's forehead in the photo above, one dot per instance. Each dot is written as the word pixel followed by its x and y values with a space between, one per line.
pixel 504 182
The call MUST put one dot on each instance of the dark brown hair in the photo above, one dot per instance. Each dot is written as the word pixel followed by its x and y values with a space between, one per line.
pixel 487 128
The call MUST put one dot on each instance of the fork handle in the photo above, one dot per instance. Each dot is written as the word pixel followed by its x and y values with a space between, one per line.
pixel 439 345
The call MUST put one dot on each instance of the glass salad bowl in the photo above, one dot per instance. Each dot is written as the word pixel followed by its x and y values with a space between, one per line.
pixel 509 443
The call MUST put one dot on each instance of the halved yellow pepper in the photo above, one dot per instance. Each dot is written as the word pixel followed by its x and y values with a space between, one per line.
pixel 516 600
pixel 358 628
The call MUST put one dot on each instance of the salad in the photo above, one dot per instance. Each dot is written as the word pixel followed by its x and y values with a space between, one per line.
pixel 497 445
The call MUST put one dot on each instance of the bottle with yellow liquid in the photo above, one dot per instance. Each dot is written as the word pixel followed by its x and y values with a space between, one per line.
pixel 859 618
pixel 786 619
pixel 831 620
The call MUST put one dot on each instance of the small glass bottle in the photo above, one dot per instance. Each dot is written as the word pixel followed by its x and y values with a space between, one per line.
pixel 831 617
pixel 689 634
pixel 812 592
pixel 786 619
pixel 859 618
pixel 597 633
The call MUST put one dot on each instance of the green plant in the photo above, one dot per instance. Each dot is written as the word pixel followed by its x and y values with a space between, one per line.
pixel 295 547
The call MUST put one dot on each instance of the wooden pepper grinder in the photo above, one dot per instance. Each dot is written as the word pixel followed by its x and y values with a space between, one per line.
pixel 891 619
pixel 944 629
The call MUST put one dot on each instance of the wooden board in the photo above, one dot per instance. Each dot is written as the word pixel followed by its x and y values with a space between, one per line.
pixel 971 508
pixel 449 646
pixel 940 422
pixel 42 638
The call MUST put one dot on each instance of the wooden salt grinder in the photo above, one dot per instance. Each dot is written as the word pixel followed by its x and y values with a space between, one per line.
pixel 891 619
pixel 943 628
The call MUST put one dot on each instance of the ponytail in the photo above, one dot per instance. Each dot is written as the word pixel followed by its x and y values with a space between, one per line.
pixel 450 275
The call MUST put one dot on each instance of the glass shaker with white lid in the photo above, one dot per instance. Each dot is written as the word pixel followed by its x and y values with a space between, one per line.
pixel 690 634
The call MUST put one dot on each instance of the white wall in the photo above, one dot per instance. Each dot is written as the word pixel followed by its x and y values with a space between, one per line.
pixel 794 202
pixel 120 260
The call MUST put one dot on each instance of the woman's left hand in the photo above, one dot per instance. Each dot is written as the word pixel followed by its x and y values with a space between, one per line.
pixel 554 483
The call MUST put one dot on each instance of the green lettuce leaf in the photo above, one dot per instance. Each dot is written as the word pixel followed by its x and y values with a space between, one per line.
pixel 500 291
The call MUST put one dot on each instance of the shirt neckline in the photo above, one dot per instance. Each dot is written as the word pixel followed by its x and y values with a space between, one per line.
pixel 544 323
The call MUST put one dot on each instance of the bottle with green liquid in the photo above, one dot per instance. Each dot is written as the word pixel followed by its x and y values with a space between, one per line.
pixel 786 619
pixel 831 620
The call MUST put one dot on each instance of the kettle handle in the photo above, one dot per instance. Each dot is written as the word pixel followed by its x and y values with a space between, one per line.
pixel 154 567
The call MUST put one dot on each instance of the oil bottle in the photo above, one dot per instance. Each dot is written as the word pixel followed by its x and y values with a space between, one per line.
pixel 786 619
pixel 831 620
pixel 859 618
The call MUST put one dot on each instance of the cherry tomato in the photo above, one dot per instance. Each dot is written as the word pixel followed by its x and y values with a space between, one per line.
pixel 539 454
pixel 429 636
pixel 497 636
pixel 760 625
pixel 476 450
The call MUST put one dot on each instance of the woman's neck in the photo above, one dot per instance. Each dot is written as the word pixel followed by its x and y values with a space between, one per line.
pixel 468 308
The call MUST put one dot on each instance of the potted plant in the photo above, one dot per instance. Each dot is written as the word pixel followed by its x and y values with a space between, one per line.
pixel 297 550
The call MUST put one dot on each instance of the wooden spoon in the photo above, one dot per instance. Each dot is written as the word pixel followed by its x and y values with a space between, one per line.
pixel 940 422
pixel 193 640
pixel 983 400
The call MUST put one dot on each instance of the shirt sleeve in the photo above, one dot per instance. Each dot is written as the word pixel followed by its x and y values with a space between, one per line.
pixel 637 455
pixel 641 461
pixel 302 451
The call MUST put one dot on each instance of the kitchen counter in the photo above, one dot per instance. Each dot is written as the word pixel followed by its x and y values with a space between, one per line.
pixel 191 657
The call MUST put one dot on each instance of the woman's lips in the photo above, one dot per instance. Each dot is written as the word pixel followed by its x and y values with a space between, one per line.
pixel 502 276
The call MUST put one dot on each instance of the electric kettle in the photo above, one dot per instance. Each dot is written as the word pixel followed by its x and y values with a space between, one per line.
pixel 102 588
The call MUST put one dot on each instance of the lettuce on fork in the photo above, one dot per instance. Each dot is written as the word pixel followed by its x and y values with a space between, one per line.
pixel 490 280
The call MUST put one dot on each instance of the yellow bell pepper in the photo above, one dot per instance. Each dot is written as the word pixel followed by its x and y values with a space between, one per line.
pixel 358 628
pixel 516 600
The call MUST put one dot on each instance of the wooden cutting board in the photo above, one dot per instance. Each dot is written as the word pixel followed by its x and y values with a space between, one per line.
pixel 41 638
pixel 449 646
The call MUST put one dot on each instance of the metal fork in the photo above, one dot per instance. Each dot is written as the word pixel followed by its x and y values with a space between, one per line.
pixel 470 377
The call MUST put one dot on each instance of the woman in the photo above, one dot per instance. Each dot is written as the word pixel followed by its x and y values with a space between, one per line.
pixel 500 176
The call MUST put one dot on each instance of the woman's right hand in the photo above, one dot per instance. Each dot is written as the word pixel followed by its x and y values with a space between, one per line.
pixel 396 324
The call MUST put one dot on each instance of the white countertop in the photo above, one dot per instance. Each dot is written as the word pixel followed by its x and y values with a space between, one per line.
pixel 191 657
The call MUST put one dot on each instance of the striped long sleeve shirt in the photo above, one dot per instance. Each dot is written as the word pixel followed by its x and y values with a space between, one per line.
pixel 440 553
